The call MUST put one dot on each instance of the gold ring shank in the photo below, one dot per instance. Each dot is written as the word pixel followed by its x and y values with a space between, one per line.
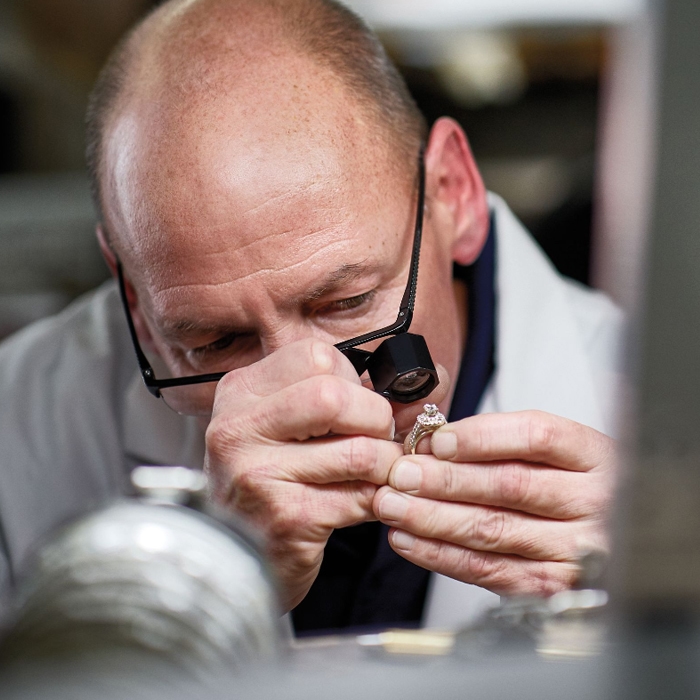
pixel 414 437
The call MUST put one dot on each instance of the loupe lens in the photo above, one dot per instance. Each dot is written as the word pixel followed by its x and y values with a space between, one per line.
pixel 410 383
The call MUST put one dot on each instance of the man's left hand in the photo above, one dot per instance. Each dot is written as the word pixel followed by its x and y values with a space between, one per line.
pixel 506 501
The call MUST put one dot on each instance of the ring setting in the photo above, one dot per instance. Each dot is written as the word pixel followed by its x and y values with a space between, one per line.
pixel 426 423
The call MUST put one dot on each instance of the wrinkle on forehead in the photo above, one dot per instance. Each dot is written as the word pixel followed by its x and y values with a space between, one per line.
pixel 299 274
pixel 346 273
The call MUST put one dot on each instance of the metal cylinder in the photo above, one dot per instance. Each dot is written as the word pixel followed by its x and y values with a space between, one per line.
pixel 152 576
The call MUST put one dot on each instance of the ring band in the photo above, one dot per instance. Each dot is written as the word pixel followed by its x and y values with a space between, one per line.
pixel 426 423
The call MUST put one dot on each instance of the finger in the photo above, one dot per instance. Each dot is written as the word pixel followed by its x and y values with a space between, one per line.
pixel 485 528
pixel 290 364
pixel 306 512
pixel 532 436
pixel 331 460
pixel 544 491
pixel 421 448
pixel 312 408
pixel 503 574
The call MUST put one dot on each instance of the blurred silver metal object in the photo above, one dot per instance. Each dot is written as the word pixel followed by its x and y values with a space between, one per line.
pixel 176 485
pixel 152 575
pixel 569 624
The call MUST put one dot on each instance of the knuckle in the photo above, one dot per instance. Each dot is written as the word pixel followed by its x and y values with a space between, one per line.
pixel 364 496
pixel 481 566
pixel 587 500
pixel 239 385
pixel 541 432
pixel 329 395
pixel 359 456
pixel 427 514
pixel 380 409
pixel 489 530
pixel 235 382
pixel 540 579
pixel 449 482
pixel 219 438
pixel 323 357
pixel 228 381
pixel 512 484
pixel 546 579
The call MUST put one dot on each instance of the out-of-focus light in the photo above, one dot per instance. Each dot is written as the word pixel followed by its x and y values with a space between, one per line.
pixel 455 14
pixel 479 68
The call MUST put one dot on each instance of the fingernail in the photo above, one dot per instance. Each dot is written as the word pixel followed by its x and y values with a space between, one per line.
pixel 443 444
pixel 393 507
pixel 407 476
pixel 393 430
pixel 402 540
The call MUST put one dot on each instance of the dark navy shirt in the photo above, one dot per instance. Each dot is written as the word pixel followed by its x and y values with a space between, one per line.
pixel 363 583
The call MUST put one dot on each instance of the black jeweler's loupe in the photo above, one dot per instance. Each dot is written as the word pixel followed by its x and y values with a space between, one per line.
pixel 401 368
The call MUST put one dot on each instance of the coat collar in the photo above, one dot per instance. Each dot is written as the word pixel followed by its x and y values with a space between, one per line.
pixel 541 358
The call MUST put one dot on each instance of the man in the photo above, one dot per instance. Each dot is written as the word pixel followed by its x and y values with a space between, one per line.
pixel 257 165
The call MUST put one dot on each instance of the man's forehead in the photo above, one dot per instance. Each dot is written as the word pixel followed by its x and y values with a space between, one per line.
pixel 292 250
pixel 162 166
pixel 259 200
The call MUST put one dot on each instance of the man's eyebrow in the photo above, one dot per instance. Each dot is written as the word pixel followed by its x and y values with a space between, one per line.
pixel 332 282
pixel 344 274
pixel 177 329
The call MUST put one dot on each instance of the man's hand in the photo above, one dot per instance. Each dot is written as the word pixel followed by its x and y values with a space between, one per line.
pixel 506 501
pixel 272 459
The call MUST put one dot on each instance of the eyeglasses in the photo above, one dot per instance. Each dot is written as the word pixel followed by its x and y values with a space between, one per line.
pixel 401 368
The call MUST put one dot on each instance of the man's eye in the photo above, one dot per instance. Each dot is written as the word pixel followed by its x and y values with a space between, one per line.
pixel 217 346
pixel 351 303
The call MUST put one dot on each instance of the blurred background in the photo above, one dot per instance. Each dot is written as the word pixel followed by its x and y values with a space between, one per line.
pixel 531 81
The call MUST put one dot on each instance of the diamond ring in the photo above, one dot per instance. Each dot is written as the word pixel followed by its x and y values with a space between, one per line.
pixel 426 423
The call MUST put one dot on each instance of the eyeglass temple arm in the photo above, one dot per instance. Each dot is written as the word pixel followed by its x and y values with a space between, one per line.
pixel 403 320
pixel 144 365
pixel 147 373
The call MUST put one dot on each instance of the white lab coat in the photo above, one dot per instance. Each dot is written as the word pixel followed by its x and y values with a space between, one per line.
pixel 75 416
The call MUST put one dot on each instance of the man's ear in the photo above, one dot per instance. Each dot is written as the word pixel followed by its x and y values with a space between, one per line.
pixel 453 180
pixel 110 257
pixel 106 250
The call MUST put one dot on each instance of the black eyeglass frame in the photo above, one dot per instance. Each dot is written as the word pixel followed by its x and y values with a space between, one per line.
pixel 359 358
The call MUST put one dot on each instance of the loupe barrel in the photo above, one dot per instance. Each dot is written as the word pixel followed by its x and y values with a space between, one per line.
pixel 402 370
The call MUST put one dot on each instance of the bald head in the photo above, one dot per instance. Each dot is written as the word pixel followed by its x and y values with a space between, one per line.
pixel 190 60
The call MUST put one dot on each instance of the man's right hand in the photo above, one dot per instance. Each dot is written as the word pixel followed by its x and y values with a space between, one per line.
pixel 298 447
